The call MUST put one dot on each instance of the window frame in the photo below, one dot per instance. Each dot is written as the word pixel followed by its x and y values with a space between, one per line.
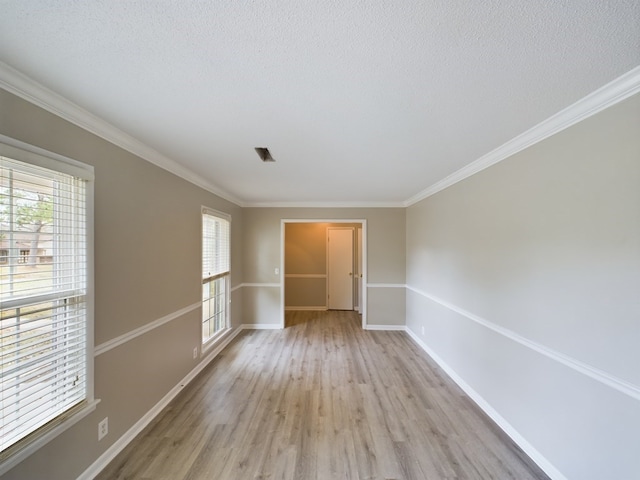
pixel 28 154
pixel 206 279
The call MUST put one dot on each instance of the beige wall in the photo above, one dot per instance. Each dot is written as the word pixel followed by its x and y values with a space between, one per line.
pixel 147 266
pixel 306 248
pixel 526 272
pixel 385 256
pixel 514 274
pixel 305 253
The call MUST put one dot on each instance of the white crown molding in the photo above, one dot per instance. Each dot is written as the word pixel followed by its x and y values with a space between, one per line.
pixel 614 92
pixel 22 86
pixel 324 204
pixel 363 221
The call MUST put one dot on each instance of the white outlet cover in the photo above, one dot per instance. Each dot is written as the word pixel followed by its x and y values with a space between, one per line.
pixel 103 428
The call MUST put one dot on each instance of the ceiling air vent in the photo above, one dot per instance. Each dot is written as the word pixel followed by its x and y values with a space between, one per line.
pixel 264 154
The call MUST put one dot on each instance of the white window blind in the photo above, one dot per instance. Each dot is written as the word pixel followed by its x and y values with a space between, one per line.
pixel 215 273
pixel 215 244
pixel 43 300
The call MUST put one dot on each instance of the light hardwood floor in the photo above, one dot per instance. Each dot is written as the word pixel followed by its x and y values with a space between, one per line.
pixel 322 399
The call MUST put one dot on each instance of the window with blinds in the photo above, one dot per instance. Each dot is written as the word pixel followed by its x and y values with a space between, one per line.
pixel 215 273
pixel 43 300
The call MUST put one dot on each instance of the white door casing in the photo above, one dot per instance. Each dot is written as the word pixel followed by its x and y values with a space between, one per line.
pixel 358 270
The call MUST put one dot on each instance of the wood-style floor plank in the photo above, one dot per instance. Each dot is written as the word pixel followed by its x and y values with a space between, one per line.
pixel 322 399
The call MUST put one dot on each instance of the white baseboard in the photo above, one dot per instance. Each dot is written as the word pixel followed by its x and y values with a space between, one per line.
pixel 401 328
pixel 601 376
pixel 119 445
pixel 261 326
pixel 529 449
pixel 306 309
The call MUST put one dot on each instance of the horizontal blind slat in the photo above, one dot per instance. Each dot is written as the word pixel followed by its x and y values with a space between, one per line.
pixel 43 323
pixel 61 350
pixel 29 394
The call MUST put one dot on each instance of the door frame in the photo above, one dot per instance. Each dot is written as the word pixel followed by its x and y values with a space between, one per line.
pixel 361 221
pixel 358 267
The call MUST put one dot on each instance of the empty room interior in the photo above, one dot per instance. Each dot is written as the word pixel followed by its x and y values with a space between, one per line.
pixel 320 240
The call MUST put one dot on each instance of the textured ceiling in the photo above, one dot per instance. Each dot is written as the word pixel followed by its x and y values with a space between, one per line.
pixel 358 102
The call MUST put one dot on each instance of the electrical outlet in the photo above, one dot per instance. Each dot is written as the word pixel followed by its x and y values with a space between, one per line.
pixel 195 352
pixel 276 271
pixel 422 327
pixel 103 428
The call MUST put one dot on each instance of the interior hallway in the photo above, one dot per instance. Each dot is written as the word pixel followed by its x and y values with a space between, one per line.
pixel 322 399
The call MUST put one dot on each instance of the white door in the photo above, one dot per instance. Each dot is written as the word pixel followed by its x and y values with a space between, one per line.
pixel 358 270
pixel 340 268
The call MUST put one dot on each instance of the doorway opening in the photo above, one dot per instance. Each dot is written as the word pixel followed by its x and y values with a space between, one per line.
pixel 323 265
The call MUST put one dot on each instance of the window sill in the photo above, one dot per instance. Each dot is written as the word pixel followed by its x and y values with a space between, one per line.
pixel 215 340
pixel 45 437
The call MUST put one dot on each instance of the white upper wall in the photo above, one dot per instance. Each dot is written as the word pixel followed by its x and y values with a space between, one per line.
pixel 527 279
